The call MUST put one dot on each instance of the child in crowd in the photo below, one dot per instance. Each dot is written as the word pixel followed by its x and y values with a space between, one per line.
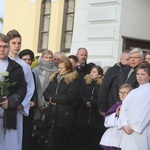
pixel 134 116
pixel 112 137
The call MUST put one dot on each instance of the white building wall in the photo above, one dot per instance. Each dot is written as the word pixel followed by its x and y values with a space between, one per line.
pixel 135 20
pixel 96 27
pixel 100 25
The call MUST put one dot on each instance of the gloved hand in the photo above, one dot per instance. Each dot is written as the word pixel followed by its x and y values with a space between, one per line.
pixel 14 101
pixel 2 99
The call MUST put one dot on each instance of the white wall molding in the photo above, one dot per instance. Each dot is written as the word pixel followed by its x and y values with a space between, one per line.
pixel 103 2
pixel 97 30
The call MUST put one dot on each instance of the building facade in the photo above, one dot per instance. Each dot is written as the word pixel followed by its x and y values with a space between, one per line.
pixel 104 27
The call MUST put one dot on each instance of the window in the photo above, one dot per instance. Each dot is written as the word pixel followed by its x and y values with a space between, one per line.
pixel 44 25
pixel 68 22
pixel 130 43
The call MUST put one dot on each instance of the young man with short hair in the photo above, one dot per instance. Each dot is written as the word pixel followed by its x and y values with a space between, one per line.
pixel 14 48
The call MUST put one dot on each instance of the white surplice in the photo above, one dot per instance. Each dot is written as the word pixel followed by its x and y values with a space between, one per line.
pixel 26 102
pixel 135 112
pixel 112 136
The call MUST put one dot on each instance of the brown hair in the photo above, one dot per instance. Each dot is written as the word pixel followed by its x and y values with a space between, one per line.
pixel 67 64
pixel 99 69
pixel 4 38
pixel 147 53
pixel 145 66
pixel 13 34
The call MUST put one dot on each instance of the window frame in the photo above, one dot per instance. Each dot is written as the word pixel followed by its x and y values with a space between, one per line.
pixel 41 26
pixel 130 43
pixel 64 30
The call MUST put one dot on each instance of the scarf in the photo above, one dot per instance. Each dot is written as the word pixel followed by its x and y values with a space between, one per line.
pixel 60 77
pixel 47 66
pixel 113 109
pixel 46 69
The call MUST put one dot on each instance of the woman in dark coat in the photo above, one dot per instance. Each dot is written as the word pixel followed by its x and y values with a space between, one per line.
pixel 61 93
pixel 91 124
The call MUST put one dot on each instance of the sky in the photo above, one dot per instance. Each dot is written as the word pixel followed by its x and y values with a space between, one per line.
pixel 1 12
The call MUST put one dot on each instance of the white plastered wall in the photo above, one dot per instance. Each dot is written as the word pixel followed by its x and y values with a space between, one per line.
pixel 97 29
pixel 135 20
pixel 100 25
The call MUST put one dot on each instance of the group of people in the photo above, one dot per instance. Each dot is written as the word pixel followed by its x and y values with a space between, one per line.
pixel 89 112
pixel 127 122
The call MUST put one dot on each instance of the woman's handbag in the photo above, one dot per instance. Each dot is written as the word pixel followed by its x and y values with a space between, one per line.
pixel 45 140
pixel 36 128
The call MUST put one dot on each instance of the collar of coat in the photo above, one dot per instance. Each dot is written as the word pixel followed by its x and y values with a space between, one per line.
pixel 88 80
pixel 69 77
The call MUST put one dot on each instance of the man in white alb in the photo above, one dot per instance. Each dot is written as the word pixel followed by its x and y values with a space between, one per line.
pixel 15 46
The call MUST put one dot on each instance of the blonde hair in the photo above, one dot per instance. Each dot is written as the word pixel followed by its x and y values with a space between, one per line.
pixel 126 85
pixel 47 52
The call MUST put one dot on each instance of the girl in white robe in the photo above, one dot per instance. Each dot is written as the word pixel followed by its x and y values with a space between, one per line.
pixel 134 117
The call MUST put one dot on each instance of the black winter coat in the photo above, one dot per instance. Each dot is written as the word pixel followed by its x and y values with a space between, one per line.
pixel 89 93
pixel 63 93
pixel 86 68
pixel 122 79
pixel 105 100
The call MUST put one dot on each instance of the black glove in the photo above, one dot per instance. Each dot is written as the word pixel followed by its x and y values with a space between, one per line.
pixel 2 99
pixel 14 101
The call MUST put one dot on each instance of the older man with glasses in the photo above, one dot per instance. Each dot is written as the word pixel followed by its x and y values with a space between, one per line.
pixel 128 74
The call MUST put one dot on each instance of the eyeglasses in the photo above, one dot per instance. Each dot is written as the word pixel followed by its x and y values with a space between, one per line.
pixel 124 93
pixel 4 47
pixel 56 59
pixel 134 57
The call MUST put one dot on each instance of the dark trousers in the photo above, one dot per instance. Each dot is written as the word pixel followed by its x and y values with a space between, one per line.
pixel 26 133
pixel 26 140
pixel 73 139
pixel 89 138
pixel 60 139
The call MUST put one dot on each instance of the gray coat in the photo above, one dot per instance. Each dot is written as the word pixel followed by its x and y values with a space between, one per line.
pixel 42 74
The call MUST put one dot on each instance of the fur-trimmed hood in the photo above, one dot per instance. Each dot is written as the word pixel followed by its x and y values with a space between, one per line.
pixel 88 80
pixel 69 77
